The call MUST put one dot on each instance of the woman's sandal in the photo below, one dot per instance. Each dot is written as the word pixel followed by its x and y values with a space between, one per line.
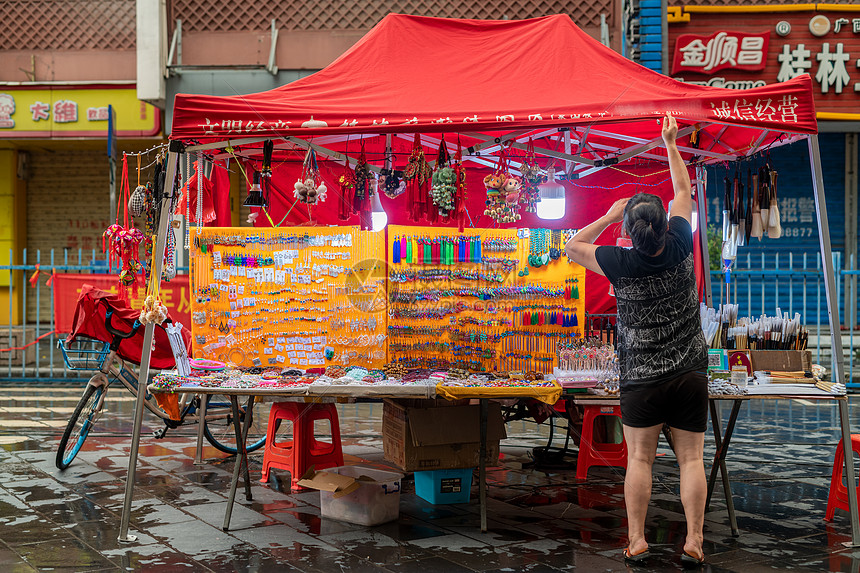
pixel 638 558
pixel 691 561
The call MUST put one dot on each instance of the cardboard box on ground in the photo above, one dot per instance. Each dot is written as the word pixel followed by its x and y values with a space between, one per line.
pixel 419 435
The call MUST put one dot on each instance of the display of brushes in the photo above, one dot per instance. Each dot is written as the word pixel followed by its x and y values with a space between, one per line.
pixel 723 329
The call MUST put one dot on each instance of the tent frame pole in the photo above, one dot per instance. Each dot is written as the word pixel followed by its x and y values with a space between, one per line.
pixel 703 233
pixel 143 376
pixel 835 331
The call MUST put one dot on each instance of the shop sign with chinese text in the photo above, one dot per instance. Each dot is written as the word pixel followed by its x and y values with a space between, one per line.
pixel 750 49
pixel 74 111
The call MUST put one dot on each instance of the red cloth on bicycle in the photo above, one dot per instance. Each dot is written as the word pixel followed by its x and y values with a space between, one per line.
pixel 89 321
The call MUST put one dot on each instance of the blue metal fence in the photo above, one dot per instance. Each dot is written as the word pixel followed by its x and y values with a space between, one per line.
pixel 36 322
pixel 762 283
pixel 759 282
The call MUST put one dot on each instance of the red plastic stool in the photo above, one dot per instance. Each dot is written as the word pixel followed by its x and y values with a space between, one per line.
pixel 304 450
pixel 838 490
pixel 593 453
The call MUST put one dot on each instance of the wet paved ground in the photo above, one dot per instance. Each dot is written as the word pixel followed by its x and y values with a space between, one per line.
pixel 540 519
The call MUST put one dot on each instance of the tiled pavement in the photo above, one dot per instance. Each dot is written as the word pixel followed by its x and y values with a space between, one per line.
pixel 540 519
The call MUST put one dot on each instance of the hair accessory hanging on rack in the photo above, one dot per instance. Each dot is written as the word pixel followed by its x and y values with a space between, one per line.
pixel 122 242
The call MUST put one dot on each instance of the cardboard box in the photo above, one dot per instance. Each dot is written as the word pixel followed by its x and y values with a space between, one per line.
pixel 781 360
pixel 356 494
pixel 431 435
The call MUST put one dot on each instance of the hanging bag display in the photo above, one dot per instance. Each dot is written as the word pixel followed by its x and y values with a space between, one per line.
pixel 137 201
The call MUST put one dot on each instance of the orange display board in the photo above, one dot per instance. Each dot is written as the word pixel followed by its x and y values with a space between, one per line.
pixel 304 298
pixel 484 300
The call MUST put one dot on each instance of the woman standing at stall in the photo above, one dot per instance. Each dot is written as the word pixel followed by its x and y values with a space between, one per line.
pixel 661 348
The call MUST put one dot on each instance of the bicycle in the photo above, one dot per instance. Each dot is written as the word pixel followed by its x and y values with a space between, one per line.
pixel 93 354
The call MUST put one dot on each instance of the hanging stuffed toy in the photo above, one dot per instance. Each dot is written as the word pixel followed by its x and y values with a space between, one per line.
pixel 418 176
pixel 122 242
pixel 444 182
pixel 500 184
pixel 310 189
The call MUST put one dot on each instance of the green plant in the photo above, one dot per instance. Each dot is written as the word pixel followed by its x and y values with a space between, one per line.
pixel 715 247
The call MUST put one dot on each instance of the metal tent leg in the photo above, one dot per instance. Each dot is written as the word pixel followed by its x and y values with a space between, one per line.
pixel 835 332
pixel 143 377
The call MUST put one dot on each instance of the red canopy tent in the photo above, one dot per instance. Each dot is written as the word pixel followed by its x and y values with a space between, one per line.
pixel 494 85
pixel 434 75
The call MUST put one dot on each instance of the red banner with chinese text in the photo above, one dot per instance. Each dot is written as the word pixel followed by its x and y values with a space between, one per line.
pixel 175 295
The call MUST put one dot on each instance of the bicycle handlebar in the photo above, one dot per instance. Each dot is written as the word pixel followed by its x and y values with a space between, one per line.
pixel 118 333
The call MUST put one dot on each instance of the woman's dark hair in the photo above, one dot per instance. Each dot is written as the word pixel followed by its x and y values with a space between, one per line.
pixel 646 223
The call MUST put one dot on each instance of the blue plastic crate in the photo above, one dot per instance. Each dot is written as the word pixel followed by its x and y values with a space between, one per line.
pixel 444 486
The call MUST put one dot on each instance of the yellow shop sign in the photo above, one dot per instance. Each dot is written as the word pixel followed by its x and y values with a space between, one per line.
pixel 74 111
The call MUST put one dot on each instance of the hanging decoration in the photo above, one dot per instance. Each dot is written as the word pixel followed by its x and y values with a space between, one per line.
pixel 346 185
pixel 532 177
pixel 444 181
pixel 196 202
pixel 460 191
pixel 138 196
pixel 310 188
pixel 418 176
pixel 153 310
pixel 122 242
pixel 363 191
pixel 503 193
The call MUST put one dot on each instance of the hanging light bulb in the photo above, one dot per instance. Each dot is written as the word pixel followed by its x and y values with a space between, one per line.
pixel 378 216
pixel 551 205
pixel 255 194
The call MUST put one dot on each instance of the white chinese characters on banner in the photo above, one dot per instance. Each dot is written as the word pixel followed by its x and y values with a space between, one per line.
pixel 783 110
pixel 832 70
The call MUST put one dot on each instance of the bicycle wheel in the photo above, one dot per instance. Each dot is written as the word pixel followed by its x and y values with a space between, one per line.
pixel 220 433
pixel 79 426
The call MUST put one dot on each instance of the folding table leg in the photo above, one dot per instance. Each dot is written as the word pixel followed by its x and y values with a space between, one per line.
pixel 722 445
pixel 241 457
pixel 201 416
pixel 249 415
pixel 482 466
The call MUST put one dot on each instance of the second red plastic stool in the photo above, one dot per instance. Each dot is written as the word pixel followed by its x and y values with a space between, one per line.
pixel 304 450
